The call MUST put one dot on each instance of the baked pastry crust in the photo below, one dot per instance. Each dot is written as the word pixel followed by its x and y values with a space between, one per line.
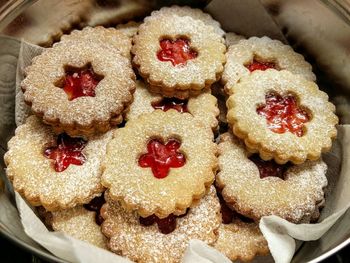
pixel 241 241
pixel 296 198
pixel 146 244
pixel 194 13
pixel 84 115
pixel 105 36
pixel 179 81
pixel 265 50
pixel 33 176
pixel 248 125
pixel 137 188
pixel 79 223
pixel 203 107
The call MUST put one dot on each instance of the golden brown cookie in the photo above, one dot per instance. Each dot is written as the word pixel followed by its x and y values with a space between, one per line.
pixel 57 172
pixel 260 54
pixel 160 163
pixel 178 56
pixel 80 223
pixel 108 36
pixel 256 188
pixel 232 39
pixel 130 28
pixel 195 13
pixel 282 116
pixel 203 107
pixel 145 243
pixel 79 88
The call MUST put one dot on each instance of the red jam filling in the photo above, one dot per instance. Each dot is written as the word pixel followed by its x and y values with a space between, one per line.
pixel 162 157
pixel 171 103
pixel 228 214
pixel 256 65
pixel 95 206
pixel 283 114
pixel 67 151
pixel 176 51
pixel 80 82
pixel 269 168
pixel 165 225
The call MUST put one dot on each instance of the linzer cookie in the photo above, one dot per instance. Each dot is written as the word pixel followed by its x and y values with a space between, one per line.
pixel 239 237
pixel 160 163
pixel 194 13
pixel 178 56
pixel 144 240
pixel 232 38
pixel 79 88
pixel 260 54
pixel 57 172
pixel 256 188
pixel 108 36
pixel 81 222
pixel 282 116
pixel 203 107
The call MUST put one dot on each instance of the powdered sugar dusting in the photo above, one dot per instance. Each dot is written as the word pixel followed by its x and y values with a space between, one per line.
pixel 146 244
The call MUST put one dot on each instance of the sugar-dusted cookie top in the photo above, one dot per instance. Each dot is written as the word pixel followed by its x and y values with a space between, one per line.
pixel 55 171
pixel 142 241
pixel 160 163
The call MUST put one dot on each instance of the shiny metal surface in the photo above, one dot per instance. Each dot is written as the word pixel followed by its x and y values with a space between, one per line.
pixel 317 28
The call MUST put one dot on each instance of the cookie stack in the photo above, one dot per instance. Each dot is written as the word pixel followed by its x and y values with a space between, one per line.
pixel 129 164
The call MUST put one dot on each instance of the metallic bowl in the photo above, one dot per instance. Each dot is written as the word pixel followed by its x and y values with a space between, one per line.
pixel 318 29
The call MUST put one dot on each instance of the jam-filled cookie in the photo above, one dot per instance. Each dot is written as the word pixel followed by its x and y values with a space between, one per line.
pixel 194 13
pixel 108 36
pixel 160 163
pixel 81 222
pixel 55 171
pixel 129 29
pixel 239 237
pixel 160 240
pixel 178 56
pixel 203 107
pixel 282 116
pixel 256 188
pixel 260 54
pixel 79 88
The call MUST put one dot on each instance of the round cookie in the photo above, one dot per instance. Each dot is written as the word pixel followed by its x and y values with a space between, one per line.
pixel 79 89
pixel 260 54
pixel 203 107
pixel 255 188
pixel 282 116
pixel 160 163
pixel 57 172
pixel 178 56
pixel 147 244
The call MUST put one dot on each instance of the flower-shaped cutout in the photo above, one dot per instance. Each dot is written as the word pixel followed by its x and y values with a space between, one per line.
pixel 79 82
pixel 67 151
pixel 171 103
pixel 283 114
pixel 176 51
pixel 162 157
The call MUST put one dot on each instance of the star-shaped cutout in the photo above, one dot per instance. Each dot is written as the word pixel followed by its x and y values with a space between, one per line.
pixel 171 103
pixel 67 151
